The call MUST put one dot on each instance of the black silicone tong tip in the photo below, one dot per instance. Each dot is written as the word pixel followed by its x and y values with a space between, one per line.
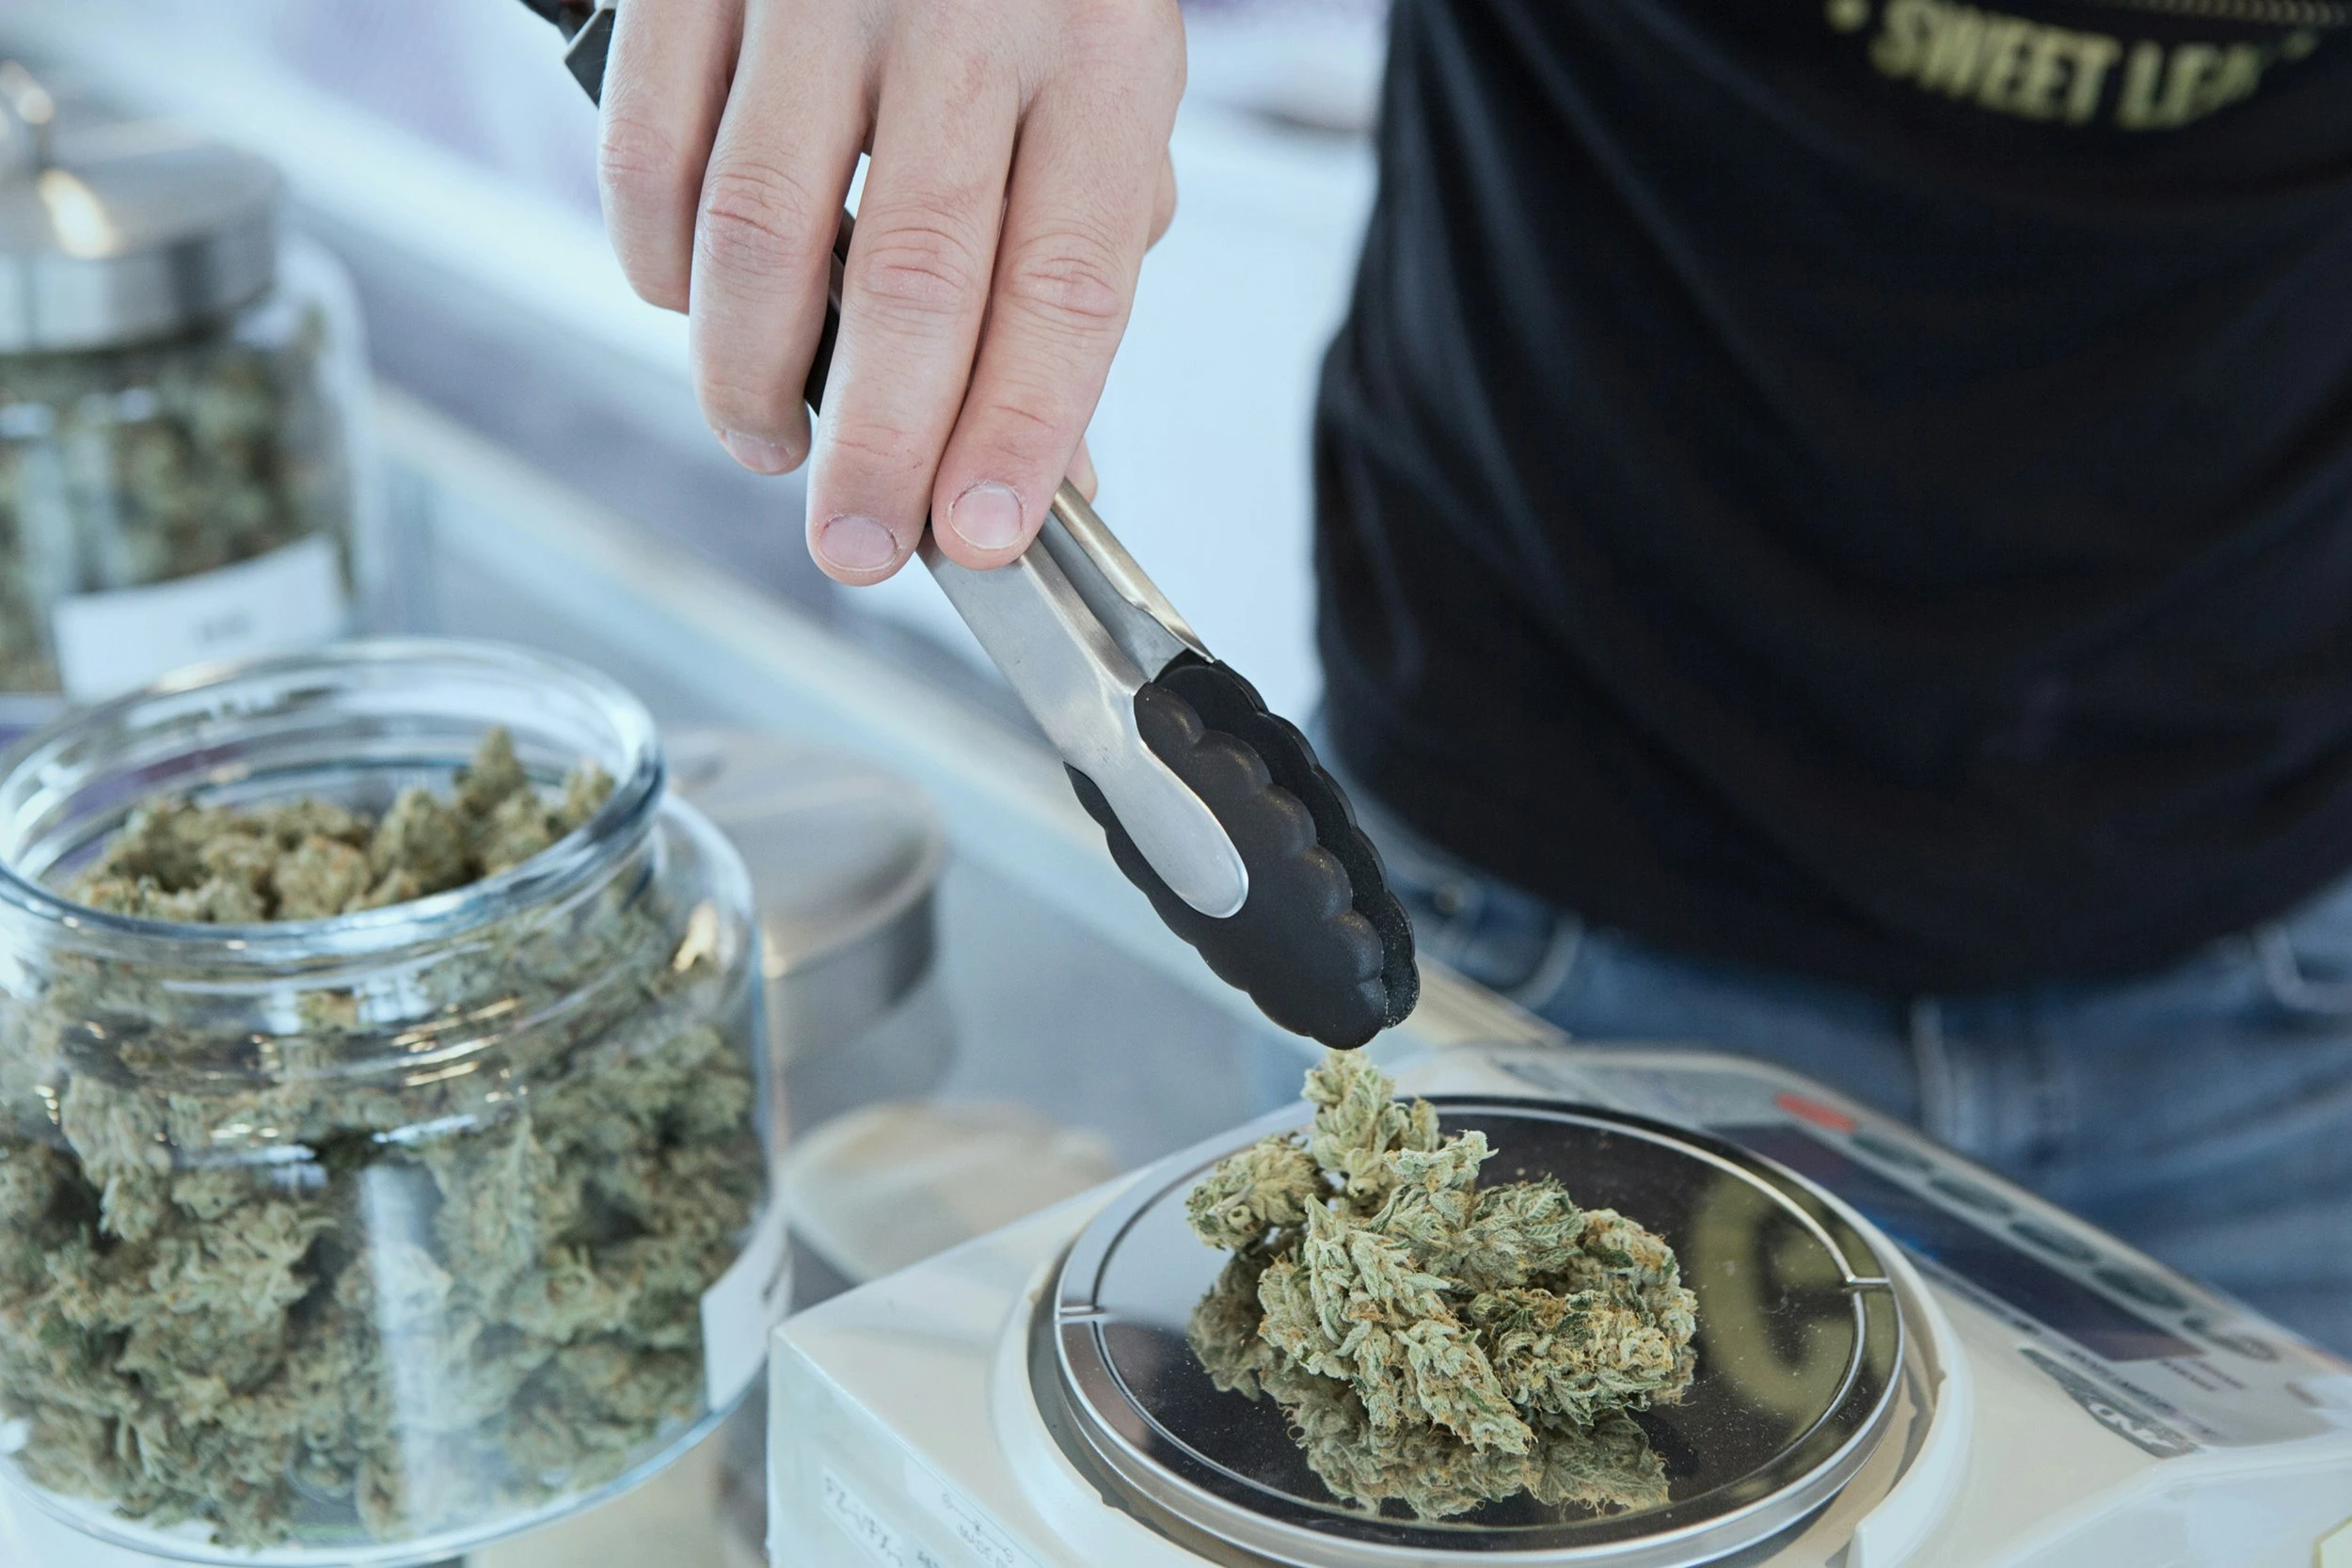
pixel 1322 945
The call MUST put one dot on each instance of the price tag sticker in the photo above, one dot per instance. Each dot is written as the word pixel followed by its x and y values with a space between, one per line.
pixel 742 1305
pixel 110 643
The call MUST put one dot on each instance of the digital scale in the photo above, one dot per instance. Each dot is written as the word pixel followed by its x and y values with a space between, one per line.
pixel 1903 1359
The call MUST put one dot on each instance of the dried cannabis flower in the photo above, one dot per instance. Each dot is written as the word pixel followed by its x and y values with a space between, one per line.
pixel 1434 1342
pixel 260 1281
pixel 306 860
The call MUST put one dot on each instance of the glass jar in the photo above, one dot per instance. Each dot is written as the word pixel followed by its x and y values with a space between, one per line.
pixel 366 1239
pixel 181 393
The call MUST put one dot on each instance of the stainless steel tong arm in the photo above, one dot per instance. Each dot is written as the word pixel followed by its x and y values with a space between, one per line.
pixel 1129 605
pixel 1080 685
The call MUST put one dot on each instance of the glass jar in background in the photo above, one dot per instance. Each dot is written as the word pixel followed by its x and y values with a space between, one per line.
pixel 181 393
pixel 371 1238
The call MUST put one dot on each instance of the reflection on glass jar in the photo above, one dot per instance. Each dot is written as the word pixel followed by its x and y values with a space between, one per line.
pixel 387 1232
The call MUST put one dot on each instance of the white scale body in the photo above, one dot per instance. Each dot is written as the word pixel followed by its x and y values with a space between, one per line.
pixel 2064 1401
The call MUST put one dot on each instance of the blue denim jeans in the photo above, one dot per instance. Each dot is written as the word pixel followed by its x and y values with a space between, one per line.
pixel 2202 1112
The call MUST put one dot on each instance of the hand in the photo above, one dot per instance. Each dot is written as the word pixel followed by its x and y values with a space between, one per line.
pixel 1019 172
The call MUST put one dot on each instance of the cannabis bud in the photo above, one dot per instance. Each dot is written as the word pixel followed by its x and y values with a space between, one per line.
pixel 367 1253
pixel 1433 1342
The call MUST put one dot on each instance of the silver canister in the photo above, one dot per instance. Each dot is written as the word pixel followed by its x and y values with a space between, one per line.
pixel 845 860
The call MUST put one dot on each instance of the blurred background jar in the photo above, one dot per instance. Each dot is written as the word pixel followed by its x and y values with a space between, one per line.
pixel 371 1238
pixel 182 396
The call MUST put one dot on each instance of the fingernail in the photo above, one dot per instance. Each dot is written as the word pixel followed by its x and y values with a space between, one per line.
pixel 988 515
pixel 761 457
pixel 856 543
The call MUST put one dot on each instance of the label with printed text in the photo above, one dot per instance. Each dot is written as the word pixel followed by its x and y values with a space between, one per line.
pixel 979 1535
pixel 111 643
pixel 884 1543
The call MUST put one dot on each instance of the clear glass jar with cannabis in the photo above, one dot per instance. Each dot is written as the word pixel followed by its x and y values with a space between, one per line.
pixel 365 1238
pixel 181 412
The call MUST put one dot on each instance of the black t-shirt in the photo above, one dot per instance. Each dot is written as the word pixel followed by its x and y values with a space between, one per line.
pixel 1864 490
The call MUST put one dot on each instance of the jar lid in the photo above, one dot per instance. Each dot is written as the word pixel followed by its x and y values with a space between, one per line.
pixel 844 857
pixel 837 846
pixel 121 232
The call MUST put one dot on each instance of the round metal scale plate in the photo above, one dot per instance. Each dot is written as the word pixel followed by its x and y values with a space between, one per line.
pixel 1800 1346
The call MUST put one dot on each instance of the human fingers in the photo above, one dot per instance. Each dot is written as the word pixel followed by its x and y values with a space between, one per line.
pixel 915 291
pixel 769 207
pixel 1085 194
pixel 665 82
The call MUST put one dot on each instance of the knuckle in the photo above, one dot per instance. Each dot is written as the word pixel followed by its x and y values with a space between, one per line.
pixel 734 400
pixel 921 269
pixel 756 222
pixel 1026 420
pixel 1069 280
pixel 1107 18
pixel 1022 429
pixel 1164 203
pixel 874 450
pixel 641 170
pixel 1145 36
pixel 637 157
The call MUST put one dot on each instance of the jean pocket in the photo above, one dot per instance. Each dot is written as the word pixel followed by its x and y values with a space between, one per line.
pixel 2306 964
pixel 1507 941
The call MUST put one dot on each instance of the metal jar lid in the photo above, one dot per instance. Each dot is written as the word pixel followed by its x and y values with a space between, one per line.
pixel 114 234
pixel 1799 1350
pixel 844 858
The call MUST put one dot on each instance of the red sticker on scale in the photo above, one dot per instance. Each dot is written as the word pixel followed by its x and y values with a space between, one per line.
pixel 1814 1111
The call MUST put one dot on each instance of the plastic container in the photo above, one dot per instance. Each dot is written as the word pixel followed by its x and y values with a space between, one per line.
pixel 181 420
pixel 367 1239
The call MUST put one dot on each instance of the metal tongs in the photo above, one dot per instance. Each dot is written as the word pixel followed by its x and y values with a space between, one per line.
pixel 1210 804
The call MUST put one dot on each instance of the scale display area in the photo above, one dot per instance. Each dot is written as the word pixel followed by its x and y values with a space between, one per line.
pixel 1903 1360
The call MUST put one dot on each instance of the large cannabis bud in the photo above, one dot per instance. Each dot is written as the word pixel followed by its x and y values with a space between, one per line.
pixel 253 1279
pixel 1434 1342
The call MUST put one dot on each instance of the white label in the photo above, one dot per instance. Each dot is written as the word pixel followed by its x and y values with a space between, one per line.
pixel 893 1548
pixel 291 599
pixel 964 1521
pixel 742 1305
